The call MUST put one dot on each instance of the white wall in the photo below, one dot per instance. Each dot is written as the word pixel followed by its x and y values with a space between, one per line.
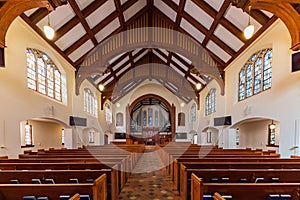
pixel 281 102
pixel 18 103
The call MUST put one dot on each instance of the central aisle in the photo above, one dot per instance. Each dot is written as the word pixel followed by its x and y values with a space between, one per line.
pixel 148 180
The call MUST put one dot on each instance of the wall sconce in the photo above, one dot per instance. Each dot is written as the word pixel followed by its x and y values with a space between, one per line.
pixel 249 30
pixel 48 30
pixel 27 126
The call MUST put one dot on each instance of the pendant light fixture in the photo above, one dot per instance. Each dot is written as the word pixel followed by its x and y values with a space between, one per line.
pixel 101 87
pixel 48 30
pixel 249 30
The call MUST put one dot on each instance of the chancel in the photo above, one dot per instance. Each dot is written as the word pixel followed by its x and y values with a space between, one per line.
pixel 149 99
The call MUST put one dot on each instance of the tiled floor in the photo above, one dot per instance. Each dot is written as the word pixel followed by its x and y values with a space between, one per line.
pixel 149 180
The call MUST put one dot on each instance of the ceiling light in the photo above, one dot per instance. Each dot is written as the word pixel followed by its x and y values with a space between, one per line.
pixel 48 30
pixel 249 30
pixel 198 86
pixel 101 87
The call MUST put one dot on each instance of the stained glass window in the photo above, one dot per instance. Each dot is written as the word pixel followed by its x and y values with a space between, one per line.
pixel 144 118
pixel 256 75
pixel 108 113
pixel 28 135
pixel 210 102
pixel 42 74
pixel 193 112
pixel 150 116
pixel 156 118
pixel 90 103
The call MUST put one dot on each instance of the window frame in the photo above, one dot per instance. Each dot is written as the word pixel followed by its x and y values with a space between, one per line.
pixel 42 75
pixel 210 102
pixel 256 74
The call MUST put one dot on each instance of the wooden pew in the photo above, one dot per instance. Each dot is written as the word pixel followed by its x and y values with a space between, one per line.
pixel 184 168
pixel 217 196
pixel 96 190
pixel 112 180
pixel 245 191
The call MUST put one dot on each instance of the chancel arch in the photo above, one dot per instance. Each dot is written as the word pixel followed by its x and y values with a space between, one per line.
pixel 151 119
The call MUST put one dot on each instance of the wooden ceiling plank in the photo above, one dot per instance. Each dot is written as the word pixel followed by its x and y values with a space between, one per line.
pixel 233 29
pixel 65 28
pixel 75 46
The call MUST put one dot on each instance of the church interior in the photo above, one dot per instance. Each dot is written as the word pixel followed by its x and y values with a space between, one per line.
pixel 149 99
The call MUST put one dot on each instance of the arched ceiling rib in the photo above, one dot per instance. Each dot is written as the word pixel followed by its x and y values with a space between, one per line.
pixel 83 24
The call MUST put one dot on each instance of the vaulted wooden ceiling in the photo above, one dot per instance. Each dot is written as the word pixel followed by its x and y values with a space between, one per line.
pixel 216 25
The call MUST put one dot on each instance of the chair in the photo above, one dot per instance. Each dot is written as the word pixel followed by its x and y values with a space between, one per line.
pixel 29 198
pixel 64 197
pixel 73 180
pixel 36 181
pixel 49 181
pixel 14 181
pixel 85 197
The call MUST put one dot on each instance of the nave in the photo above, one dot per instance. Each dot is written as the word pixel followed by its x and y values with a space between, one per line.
pixel 149 179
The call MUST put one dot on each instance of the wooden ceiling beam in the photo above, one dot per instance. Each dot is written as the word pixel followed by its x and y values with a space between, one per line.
pixel 259 16
pixel 92 7
pixel 38 15
pixel 86 37
pixel 120 13
pixel 216 59
pixel 83 22
pixel 179 11
pixel 80 60
pixel 216 21
pixel 124 65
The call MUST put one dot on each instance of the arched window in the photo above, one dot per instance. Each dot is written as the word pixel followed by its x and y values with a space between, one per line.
pixel 193 112
pixel 108 113
pixel 144 118
pixel 256 75
pixel 150 117
pixel 181 119
pixel 119 119
pixel 156 117
pixel 90 103
pixel 210 102
pixel 42 74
